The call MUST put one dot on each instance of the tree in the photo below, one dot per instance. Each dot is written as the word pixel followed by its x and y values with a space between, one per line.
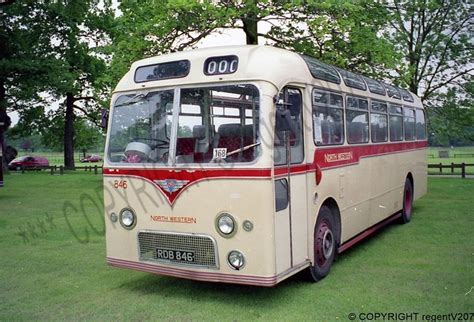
pixel 86 135
pixel 452 116
pixel 26 59
pixel 79 29
pixel 434 38
pixel 343 29
pixel 53 48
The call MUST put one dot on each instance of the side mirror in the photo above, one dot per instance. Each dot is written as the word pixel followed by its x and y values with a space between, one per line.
pixel 283 120
pixel 104 118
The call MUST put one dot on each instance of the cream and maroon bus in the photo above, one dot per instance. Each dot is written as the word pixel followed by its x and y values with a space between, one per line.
pixel 248 164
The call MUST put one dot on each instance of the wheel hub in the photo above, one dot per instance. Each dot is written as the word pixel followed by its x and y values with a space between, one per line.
pixel 324 243
pixel 328 244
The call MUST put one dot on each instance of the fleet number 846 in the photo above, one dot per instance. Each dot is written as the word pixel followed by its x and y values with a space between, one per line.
pixel 120 184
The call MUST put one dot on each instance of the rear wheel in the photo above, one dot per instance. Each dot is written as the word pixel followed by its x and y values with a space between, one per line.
pixel 407 202
pixel 324 245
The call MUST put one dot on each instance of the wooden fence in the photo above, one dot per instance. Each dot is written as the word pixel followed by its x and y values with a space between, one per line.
pixel 61 169
pixel 451 167
pixel 96 169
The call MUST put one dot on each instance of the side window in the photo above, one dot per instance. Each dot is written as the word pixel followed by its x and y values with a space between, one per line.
pixel 357 120
pixel 290 101
pixel 281 194
pixel 420 125
pixel 409 123
pixel 396 123
pixel 378 122
pixel 328 126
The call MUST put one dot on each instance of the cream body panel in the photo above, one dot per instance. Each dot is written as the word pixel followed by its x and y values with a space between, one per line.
pixel 243 198
pixel 299 218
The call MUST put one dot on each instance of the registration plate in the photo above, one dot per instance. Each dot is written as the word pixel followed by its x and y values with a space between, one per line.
pixel 175 255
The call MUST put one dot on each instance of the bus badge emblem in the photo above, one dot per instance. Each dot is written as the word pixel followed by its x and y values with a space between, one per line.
pixel 171 185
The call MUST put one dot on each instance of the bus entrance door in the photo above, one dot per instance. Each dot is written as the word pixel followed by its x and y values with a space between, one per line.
pixel 290 184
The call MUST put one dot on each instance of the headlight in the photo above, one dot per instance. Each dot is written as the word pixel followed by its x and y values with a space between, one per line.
pixel 128 220
pixel 225 225
pixel 236 260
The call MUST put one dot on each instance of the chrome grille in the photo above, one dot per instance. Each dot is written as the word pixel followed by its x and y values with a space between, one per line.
pixel 202 246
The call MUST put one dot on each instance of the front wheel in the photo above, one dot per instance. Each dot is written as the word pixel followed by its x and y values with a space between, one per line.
pixel 407 202
pixel 324 245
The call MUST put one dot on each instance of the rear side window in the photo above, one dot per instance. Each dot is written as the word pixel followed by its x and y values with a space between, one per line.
pixel 420 125
pixel 396 122
pixel 357 120
pixel 328 126
pixel 409 123
pixel 378 122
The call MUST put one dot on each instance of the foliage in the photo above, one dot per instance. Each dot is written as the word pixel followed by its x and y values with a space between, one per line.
pixel 87 136
pixel 452 116
pixel 435 39
pixel 54 48
pixel 340 32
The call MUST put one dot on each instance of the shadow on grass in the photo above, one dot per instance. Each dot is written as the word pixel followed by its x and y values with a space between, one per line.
pixel 250 296
pixel 198 290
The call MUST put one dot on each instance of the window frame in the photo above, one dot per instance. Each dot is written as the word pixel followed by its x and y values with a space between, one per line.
pixel 342 108
pixel 424 124
pixel 347 96
pixel 412 109
pixel 396 114
pixel 302 129
pixel 379 113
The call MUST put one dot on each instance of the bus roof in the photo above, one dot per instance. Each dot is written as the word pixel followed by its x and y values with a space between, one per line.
pixel 275 65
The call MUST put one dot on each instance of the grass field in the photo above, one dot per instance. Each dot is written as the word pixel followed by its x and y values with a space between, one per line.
pixel 52 270
pixel 457 155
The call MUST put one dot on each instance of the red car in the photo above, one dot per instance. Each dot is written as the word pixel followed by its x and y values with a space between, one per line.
pixel 92 158
pixel 28 162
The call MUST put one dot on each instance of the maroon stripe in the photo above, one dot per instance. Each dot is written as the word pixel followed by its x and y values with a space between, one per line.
pixel 201 276
pixel 190 175
pixel 346 155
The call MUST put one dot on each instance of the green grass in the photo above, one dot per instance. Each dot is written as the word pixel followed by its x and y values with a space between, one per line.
pixel 433 155
pixel 434 159
pixel 425 266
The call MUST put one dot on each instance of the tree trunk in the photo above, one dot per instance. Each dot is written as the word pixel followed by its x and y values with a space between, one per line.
pixel 250 23
pixel 69 132
pixel 4 122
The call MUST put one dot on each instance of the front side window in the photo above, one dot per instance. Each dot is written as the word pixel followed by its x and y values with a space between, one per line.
pixel 214 124
pixel 290 138
pixel 328 118
pixel 357 120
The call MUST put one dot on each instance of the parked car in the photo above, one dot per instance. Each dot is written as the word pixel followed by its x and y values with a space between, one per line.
pixel 28 162
pixel 92 158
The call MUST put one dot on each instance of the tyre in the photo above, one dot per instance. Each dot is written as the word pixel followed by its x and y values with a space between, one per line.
pixel 324 244
pixel 407 202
